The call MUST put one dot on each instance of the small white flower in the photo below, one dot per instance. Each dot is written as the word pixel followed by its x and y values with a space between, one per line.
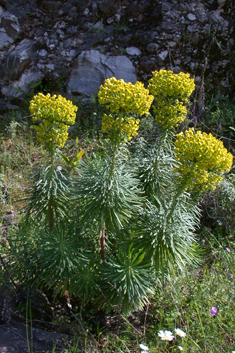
pixel 143 347
pixel 180 348
pixel 69 305
pixel 180 332
pixel 59 168
pixel 166 335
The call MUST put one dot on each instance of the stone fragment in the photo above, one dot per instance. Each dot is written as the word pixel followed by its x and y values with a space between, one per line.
pixel 5 39
pixel 169 26
pixel 191 17
pixel 11 25
pixel 1 11
pixel 42 53
pixel 152 47
pixel 162 56
pixel 172 44
pixel 19 88
pixel 92 68
pixel 50 67
pixel 133 51
pixel 192 28
pixel 18 59
pixel 215 17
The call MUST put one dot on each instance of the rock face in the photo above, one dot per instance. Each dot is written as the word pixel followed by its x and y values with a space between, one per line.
pixel 92 68
pixel 17 59
pixel 80 43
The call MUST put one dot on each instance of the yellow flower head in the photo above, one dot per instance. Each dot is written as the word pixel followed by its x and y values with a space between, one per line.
pixel 120 128
pixel 123 100
pixel 127 98
pixel 54 115
pixel 171 92
pixel 203 160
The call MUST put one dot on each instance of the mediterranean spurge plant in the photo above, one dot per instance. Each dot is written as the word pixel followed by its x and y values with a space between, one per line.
pixel 124 220
pixel 52 116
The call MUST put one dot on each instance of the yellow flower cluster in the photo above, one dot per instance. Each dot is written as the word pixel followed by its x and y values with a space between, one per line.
pixel 122 97
pixel 170 113
pixel 171 92
pixel 203 158
pixel 120 127
pixel 54 115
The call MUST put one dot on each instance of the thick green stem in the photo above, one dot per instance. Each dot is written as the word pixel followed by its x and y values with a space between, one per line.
pixel 51 201
pixel 102 240
pixel 178 193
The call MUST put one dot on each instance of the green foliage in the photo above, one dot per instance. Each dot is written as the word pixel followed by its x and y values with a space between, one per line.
pixel 220 119
pixel 167 233
pixel 44 258
pixel 129 280
pixel 107 191
pixel 49 193
pixel 155 163
pixel 219 208
pixel 186 302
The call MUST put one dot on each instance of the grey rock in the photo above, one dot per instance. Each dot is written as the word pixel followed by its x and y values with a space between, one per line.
pixel 1 11
pixel 169 26
pixel 162 56
pixel 5 39
pixel 110 20
pixel 152 47
pixel 92 68
pixel 19 88
pixel 133 51
pixel 17 60
pixel 191 17
pixel 43 53
pixel 86 12
pixel 192 65
pixel 192 28
pixel 167 6
pixel 98 26
pixel 172 44
pixel 11 25
pixel 182 20
pixel 72 53
pixel 195 38
pixel 41 66
pixel 15 337
pixel 50 67
pixel 215 17
pixel 68 43
pixel 221 3
pixel 176 70
pixel 118 16
pixel 202 17
pixel 187 60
